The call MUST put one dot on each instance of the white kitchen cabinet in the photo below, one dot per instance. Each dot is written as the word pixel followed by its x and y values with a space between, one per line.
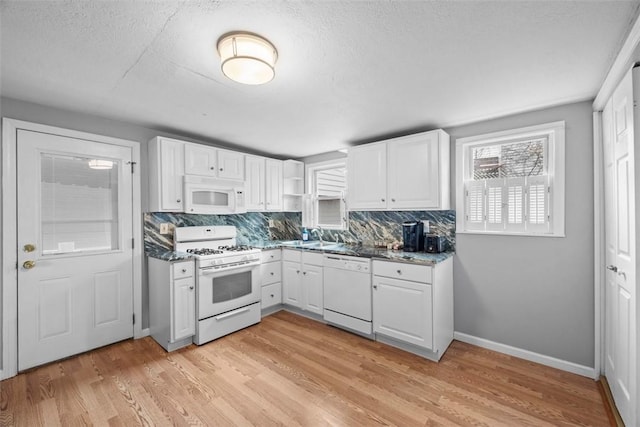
pixel 413 306
pixel 172 302
pixel 263 187
pixel 302 280
pixel 273 185
pixel 271 278
pixel 166 171
pixel 405 173
pixel 367 177
pixel 213 162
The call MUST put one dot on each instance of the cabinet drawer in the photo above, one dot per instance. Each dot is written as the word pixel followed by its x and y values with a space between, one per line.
pixel 271 255
pixel 183 269
pixel 397 270
pixel 271 295
pixel 271 272
pixel 292 255
pixel 313 258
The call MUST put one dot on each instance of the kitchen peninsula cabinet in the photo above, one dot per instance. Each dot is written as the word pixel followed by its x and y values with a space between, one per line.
pixel 302 280
pixel 405 173
pixel 172 302
pixel 413 306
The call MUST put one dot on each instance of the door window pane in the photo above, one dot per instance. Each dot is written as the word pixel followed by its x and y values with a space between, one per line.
pixel 79 204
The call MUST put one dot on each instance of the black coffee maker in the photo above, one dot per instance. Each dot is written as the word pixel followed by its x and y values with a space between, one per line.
pixel 412 236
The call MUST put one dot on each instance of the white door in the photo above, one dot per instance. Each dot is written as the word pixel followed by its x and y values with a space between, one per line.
pixel 413 172
pixel 230 165
pixel 75 260
pixel 367 177
pixel 291 284
pixel 312 285
pixel 620 308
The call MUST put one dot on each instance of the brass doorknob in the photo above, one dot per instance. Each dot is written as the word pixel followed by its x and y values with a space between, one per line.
pixel 29 247
pixel 28 265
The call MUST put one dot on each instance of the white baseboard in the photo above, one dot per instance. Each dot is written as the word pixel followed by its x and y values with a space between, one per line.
pixel 144 333
pixel 563 365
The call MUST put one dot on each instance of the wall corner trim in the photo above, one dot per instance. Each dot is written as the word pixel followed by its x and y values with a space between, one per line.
pixel 553 362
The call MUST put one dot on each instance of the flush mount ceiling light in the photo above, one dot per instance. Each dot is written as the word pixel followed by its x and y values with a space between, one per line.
pixel 247 58
pixel 100 164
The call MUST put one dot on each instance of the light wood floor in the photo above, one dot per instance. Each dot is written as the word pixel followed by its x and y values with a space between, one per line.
pixel 289 370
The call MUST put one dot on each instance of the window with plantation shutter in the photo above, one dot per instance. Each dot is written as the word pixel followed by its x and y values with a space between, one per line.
pixel 324 204
pixel 512 182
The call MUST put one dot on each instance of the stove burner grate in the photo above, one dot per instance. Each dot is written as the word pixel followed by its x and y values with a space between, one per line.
pixel 204 251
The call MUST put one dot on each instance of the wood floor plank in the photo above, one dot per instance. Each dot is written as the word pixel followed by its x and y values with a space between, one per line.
pixel 290 370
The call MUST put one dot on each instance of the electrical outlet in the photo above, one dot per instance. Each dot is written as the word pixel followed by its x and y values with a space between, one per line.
pixel 272 223
pixel 164 228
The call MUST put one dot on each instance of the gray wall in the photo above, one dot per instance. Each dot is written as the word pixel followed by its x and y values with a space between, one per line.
pixel 534 293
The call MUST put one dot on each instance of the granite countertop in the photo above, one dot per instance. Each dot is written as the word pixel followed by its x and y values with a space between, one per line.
pixel 361 251
pixel 165 254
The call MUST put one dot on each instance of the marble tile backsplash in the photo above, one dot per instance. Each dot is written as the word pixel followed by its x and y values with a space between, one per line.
pixel 366 227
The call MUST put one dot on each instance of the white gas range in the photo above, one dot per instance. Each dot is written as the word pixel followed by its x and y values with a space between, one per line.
pixel 227 281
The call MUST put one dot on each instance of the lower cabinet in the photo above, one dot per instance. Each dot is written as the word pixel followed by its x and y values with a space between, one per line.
pixel 302 280
pixel 172 302
pixel 271 278
pixel 413 304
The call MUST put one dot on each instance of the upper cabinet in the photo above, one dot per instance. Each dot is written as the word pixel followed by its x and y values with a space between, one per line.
pixel 166 170
pixel 406 173
pixel 293 185
pixel 263 188
pixel 213 162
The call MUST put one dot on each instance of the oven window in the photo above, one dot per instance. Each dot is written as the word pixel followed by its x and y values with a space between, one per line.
pixel 211 198
pixel 228 288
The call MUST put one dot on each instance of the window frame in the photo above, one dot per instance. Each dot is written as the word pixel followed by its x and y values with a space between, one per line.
pixel 310 200
pixel 554 132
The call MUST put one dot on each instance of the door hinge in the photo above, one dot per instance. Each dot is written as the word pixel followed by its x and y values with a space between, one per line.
pixel 133 243
pixel 133 164
pixel 134 318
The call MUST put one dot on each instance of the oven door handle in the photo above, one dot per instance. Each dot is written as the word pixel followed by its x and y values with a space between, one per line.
pixel 232 313
pixel 227 271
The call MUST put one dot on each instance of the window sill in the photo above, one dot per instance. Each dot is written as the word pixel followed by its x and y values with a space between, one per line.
pixel 502 233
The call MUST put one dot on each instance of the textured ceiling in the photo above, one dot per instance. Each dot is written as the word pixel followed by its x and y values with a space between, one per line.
pixel 348 71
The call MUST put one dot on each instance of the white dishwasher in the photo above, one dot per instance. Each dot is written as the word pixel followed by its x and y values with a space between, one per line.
pixel 347 292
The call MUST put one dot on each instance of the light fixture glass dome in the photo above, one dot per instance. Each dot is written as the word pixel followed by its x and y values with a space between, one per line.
pixel 247 58
pixel 100 164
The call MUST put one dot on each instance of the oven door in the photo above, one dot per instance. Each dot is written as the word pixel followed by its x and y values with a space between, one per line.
pixel 221 291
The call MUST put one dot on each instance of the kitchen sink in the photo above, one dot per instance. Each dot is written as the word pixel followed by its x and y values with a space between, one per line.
pixel 315 244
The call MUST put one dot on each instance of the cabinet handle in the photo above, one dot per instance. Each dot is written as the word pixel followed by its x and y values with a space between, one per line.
pixel 271 295
pixel 399 271
pixel 375 286
pixel 271 273
pixel 393 200
pixel 191 287
pixel 184 270
pixel 212 168
pixel 271 258
pixel 221 169
pixel 382 200
pixel 304 272
pixel 297 271
pixel 178 200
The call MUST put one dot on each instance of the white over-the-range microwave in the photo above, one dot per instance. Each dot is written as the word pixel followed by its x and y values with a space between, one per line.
pixel 204 195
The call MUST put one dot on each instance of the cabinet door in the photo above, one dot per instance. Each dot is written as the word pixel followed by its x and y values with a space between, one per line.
pixel 200 160
pixel 291 283
pixel 255 183
pixel 171 174
pixel 230 165
pixel 273 195
pixel 413 175
pixel 403 310
pixel 367 177
pixel 313 290
pixel 183 309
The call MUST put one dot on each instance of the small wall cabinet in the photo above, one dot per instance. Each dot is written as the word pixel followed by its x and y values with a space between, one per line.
pixel 409 172
pixel 413 306
pixel 271 278
pixel 213 162
pixel 166 170
pixel 263 186
pixel 302 280
pixel 172 302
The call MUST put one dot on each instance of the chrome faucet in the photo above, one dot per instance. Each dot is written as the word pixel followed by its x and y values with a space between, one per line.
pixel 318 232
